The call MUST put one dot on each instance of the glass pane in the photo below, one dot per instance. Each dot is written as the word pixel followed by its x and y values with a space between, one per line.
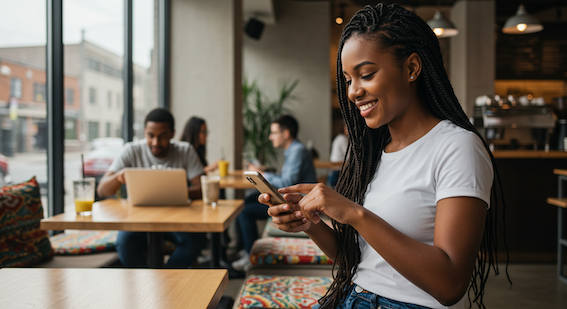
pixel 23 130
pixel 145 62
pixel 94 48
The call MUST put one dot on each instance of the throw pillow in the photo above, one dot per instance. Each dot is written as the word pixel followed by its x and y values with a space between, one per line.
pixel 22 243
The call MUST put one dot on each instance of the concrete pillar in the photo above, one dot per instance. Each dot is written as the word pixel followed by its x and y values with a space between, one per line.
pixel 206 72
pixel 473 51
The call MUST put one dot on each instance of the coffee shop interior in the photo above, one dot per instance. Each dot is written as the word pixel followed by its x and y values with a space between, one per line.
pixel 103 65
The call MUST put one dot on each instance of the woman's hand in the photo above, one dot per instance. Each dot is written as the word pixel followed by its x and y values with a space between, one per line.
pixel 322 199
pixel 285 218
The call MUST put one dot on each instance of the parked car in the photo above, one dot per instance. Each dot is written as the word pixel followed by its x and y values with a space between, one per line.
pixel 97 161
pixel 4 175
pixel 110 142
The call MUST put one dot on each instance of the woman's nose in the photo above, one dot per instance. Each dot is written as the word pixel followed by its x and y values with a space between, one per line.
pixel 355 92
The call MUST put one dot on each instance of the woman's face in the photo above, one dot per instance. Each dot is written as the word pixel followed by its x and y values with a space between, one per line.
pixel 203 135
pixel 376 83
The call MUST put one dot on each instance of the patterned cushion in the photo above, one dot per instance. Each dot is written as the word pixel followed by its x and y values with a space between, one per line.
pixel 22 243
pixel 282 291
pixel 285 250
pixel 84 242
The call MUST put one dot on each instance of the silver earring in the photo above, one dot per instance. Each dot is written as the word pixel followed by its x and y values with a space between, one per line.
pixel 411 77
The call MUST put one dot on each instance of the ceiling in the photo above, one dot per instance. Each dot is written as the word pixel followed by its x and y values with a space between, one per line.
pixel 504 8
pixel 265 9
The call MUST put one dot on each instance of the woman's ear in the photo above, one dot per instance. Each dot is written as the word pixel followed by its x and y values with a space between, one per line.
pixel 413 63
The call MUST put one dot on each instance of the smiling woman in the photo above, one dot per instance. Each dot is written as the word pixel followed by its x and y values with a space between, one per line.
pixel 414 210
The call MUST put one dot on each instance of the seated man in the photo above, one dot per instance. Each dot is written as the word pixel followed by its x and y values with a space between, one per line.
pixel 297 168
pixel 158 149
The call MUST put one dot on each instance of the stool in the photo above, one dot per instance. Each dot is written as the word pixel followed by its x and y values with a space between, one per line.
pixel 561 204
pixel 260 291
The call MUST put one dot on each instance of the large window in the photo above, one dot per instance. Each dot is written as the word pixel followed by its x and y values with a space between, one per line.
pixel 93 81
pixel 23 130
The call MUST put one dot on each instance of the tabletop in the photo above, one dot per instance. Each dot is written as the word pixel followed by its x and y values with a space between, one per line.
pixel 119 214
pixel 235 180
pixel 111 288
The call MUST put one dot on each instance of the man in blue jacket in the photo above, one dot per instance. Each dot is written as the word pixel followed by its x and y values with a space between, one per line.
pixel 297 168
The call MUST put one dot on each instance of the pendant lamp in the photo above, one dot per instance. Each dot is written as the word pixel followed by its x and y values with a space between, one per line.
pixel 442 27
pixel 521 23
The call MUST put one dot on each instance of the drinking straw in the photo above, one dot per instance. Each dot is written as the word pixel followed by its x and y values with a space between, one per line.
pixel 222 153
pixel 83 165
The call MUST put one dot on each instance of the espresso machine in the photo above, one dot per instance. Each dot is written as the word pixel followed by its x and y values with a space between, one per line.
pixel 507 125
pixel 560 108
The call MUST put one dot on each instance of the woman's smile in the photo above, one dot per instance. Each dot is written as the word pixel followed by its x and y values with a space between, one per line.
pixel 366 107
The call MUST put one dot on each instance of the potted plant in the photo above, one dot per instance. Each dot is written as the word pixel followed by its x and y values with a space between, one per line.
pixel 258 112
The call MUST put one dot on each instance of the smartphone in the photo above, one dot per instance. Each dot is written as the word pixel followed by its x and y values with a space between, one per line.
pixel 263 186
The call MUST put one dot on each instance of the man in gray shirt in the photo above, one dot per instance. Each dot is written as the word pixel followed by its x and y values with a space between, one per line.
pixel 157 150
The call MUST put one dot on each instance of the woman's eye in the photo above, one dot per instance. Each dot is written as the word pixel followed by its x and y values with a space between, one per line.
pixel 369 76
pixel 348 82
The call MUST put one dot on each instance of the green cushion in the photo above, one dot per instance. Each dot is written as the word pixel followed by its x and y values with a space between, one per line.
pixel 22 243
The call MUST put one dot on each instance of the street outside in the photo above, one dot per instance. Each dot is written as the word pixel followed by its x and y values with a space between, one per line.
pixel 24 166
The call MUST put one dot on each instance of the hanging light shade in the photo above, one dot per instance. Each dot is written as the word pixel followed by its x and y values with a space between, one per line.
pixel 442 27
pixel 522 23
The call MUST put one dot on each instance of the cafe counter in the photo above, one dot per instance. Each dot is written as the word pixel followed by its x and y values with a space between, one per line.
pixel 531 224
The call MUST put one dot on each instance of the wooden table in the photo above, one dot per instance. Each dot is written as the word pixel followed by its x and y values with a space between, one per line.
pixel 119 214
pixel 111 288
pixel 235 180
pixel 327 164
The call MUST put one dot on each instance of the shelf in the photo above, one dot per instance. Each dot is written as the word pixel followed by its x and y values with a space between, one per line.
pixel 557 201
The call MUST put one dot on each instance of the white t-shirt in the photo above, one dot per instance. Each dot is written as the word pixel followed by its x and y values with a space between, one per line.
pixel 138 154
pixel 339 148
pixel 446 162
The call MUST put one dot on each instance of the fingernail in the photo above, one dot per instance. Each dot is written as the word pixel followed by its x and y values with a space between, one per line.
pixel 304 220
pixel 298 214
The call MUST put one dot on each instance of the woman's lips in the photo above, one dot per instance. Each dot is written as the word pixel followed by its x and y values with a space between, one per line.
pixel 366 107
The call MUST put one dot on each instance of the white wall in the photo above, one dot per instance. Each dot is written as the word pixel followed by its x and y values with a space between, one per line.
pixel 297 47
pixel 206 71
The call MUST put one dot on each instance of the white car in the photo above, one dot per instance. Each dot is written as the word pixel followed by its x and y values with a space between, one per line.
pixel 4 175
pixel 107 142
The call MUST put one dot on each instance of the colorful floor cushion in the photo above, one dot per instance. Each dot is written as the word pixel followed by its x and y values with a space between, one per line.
pixel 22 243
pixel 282 291
pixel 286 250
pixel 84 242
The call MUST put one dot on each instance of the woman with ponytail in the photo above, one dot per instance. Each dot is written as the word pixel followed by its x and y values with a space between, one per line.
pixel 414 211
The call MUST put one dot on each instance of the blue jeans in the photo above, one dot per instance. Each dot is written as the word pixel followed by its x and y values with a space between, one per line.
pixel 359 298
pixel 253 211
pixel 131 247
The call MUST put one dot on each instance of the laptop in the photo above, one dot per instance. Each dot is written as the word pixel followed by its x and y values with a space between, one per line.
pixel 156 187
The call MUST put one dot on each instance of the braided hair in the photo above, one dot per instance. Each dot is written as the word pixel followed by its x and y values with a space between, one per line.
pixel 400 31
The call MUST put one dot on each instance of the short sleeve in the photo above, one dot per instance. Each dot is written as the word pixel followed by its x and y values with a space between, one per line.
pixel 123 160
pixel 194 166
pixel 463 168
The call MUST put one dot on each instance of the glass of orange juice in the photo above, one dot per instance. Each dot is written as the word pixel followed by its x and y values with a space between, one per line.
pixel 84 194
pixel 223 168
